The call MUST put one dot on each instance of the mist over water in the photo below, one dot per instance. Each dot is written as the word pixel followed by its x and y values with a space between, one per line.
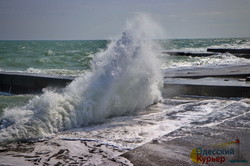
pixel 123 78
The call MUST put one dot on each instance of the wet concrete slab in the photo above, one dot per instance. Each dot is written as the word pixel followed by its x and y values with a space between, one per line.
pixel 210 81
pixel 217 87
pixel 237 70
pixel 178 151
pixel 228 137
pixel 219 81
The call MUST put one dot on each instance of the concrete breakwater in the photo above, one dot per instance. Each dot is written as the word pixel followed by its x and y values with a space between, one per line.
pixel 195 81
pixel 223 81
pixel 194 54
pixel 244 53
pixel 22 83
pixel 230 50
pixel 219 87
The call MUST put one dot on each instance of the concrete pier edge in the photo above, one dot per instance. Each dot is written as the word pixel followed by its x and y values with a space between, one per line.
pixel 23 83
pixel 242 53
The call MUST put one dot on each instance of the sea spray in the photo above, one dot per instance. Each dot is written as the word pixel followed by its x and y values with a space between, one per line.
pixel 124 78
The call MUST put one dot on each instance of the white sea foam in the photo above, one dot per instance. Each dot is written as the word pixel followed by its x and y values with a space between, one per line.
pixel 169 116
pixel 238 44
pixel 219 59
pixel 63 72
pixel 124 78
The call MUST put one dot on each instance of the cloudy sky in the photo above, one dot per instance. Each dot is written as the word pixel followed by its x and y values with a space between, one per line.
pixel 104 19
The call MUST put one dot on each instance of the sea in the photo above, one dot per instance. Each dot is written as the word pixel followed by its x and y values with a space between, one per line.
pixel 116 96
pixel 73 57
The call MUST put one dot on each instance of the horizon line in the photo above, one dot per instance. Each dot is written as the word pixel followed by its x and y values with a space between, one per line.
pixel 113 39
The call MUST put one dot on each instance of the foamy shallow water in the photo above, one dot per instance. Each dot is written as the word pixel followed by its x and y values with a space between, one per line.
pixel 103 143
pixel 131 131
